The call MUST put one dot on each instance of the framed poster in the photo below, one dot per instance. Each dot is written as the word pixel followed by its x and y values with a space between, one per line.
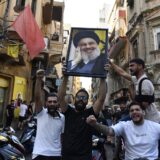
pixel 87 52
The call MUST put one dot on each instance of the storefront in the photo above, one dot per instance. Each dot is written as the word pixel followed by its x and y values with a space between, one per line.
pixel 10 88
pixel 19 88
pixel 4 89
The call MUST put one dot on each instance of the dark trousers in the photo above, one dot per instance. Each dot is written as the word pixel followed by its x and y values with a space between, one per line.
pixel 9 121
pixel 40 157
pixel 86 157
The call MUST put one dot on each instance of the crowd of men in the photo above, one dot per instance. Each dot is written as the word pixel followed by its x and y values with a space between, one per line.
pixel 18 109
pixel 65 128
pixel 67 133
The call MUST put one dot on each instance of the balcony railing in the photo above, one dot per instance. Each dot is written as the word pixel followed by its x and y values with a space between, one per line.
pixel 155 56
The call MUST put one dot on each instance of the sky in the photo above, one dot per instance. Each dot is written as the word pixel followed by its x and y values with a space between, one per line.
pixel 84 13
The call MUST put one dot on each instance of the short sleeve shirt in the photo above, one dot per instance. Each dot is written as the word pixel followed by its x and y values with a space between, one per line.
pixel 151 112
pixel 10 109
pixel 77 138
pixel 48 136
pixel 140 140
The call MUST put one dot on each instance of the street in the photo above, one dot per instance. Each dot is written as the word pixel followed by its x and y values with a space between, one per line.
pixel 18 134
pixel 108 148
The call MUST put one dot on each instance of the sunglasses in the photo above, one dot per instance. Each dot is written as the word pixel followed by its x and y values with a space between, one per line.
pixel 82 97
pixel 52 101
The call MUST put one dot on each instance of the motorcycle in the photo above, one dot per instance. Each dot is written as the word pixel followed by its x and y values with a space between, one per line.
pixel 9 133
pixel 10 147
pixel 28 136
pixel 98 151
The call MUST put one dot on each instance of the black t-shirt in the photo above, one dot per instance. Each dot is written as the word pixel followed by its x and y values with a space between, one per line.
pixel 77 140
pixel 10 109
pixel 30 110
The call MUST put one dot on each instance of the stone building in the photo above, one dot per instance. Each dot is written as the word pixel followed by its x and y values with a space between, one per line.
pixel 144 36
pixel 118 49
pixel 17 71
pixel 142 30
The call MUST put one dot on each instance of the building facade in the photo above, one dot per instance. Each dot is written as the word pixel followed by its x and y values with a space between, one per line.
pixel 118 48
pixel 142 31
pixel 144 36
pixel 17 70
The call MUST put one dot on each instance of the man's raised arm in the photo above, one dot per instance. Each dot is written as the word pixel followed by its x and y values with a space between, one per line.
pixel 62 93
pixel 120 71
pixel 39 92
pixel 101 96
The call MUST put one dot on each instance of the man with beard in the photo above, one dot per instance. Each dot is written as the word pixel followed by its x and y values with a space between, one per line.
pixel 140 136
pixel 88 58
pixel 144 89
pixel 77 137
pixel 50 123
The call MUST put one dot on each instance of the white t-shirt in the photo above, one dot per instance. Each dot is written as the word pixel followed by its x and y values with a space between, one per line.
pixel 23 109
pixel 140 140
pixel 151 112
pixel 48 136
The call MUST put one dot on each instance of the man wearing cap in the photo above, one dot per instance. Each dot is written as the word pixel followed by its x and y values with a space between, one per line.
pixel 88 58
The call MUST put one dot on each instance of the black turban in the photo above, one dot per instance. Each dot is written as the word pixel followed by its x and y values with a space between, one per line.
pixel 85 34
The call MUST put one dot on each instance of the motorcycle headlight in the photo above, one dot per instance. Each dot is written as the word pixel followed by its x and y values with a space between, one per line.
pixel 30 124
pixel 13 158
pixel 22 158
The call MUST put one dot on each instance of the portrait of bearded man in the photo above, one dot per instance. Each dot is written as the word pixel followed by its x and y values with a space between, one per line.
pixel 88 58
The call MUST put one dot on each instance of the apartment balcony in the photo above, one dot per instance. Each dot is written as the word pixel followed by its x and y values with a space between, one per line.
pixel 11 55
pixel 155 57
pixel 55 52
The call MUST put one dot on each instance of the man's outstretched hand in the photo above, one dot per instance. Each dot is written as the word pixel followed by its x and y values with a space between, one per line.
pixel 91 120
pixel 109 64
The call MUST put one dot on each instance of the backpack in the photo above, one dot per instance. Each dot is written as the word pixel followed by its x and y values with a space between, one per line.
pixel 143 98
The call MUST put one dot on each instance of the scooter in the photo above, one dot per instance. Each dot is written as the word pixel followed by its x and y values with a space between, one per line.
pixel 8 151
pixel 9 133
pixel 28 136
pixel 98 151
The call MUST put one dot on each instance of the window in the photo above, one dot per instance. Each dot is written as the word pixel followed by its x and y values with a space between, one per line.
pixel 130 3
pixel 57 13
pixel 33 6
pixel 135 47
pixel 20 3
pixel 2 102
pixel 121 3
pixel 158 40
pixel 156 34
